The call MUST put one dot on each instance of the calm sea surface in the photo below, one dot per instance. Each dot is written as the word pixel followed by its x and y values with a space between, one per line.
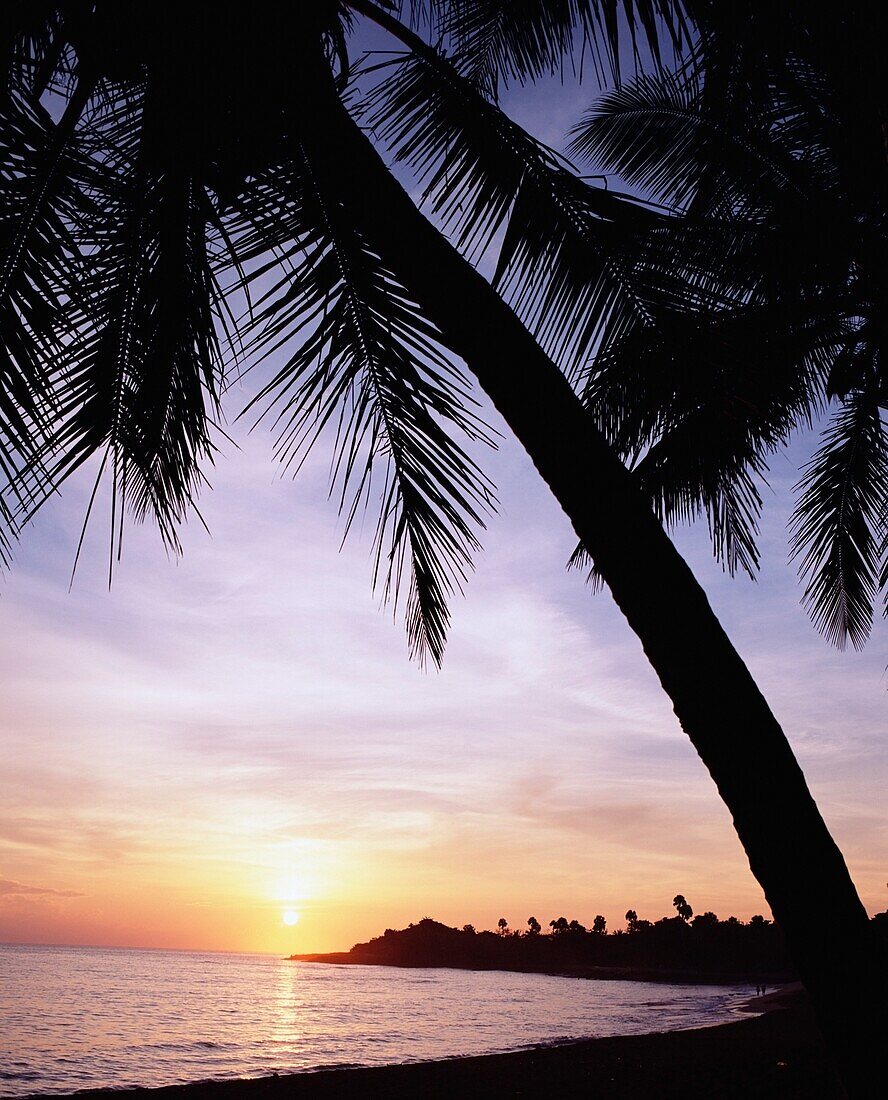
pixel 83 1017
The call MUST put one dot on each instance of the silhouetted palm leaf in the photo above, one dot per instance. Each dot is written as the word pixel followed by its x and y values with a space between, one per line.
pixel 498 41
pixel 368 367
pixel 142 227
pixel 839 523
pixel 491 185
pixel 130 226
pixel 765 279
pixel 41 167
pixel 658 133
pixel 142 367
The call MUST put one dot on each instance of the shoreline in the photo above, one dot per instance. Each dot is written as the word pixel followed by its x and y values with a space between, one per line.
pixel 592 973
pixel 774 1053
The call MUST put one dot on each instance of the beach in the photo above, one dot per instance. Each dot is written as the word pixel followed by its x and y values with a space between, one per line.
pixel 774 1055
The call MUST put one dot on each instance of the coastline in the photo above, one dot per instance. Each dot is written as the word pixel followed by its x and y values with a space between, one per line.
pixel 569 970
pixel 773 1055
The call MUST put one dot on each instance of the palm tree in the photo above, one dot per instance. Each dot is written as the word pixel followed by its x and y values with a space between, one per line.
pixel 154 183
pixel 764 293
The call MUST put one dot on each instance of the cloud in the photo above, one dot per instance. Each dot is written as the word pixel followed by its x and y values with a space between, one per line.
pixel 10 888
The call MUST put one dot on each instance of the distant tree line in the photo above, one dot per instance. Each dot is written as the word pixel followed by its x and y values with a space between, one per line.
pixel 683 945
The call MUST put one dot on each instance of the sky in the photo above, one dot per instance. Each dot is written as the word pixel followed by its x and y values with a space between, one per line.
pixel 241 735
pixel 237 739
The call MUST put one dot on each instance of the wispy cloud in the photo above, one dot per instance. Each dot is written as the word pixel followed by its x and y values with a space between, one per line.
pixel 9 887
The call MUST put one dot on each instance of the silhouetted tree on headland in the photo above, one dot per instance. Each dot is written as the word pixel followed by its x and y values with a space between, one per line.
pixel 682 908
pixel 669 948
pixel 189 158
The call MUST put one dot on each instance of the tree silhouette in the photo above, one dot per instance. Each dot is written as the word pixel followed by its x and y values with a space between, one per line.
pixel 773 164
pixel 772 316
pixel 682 908
pixel 533 926
pixel 168 187
pixel 503 926
pixel 710 947
pixel 599 925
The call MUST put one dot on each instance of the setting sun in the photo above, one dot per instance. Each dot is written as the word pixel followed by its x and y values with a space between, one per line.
pixel 290 916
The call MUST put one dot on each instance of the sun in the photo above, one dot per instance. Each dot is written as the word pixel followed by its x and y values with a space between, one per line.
pixel 290 916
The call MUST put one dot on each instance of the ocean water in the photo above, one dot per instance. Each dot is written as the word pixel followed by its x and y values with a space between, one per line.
pixel 85 1017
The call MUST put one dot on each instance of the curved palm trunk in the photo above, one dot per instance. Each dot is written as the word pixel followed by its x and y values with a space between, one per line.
pixel 718 704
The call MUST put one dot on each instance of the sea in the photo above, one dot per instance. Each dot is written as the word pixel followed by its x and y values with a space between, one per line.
pixel 89 1017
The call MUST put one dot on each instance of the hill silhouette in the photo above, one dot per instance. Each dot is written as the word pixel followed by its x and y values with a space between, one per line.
pixel 683 947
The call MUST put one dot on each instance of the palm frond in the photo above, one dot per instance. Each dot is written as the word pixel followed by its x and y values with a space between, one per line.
pixel 501 41
pixel 41 201
pixel 838 526
pixel 141 374
pixel 486 181
pixel 369 369
pixel 660 134
pixel 31 43
pixel 698 469
pixel 698 403
pixel 763 290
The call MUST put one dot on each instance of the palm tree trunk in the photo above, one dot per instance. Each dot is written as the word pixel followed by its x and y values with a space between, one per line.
pixel 717 702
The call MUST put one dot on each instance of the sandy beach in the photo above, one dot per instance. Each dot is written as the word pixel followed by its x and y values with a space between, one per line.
pixel 774 1055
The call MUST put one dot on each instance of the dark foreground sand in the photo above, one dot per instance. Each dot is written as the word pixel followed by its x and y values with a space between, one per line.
pixel 760 1058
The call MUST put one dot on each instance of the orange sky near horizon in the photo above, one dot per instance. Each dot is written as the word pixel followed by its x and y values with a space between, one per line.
pixel 215 900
